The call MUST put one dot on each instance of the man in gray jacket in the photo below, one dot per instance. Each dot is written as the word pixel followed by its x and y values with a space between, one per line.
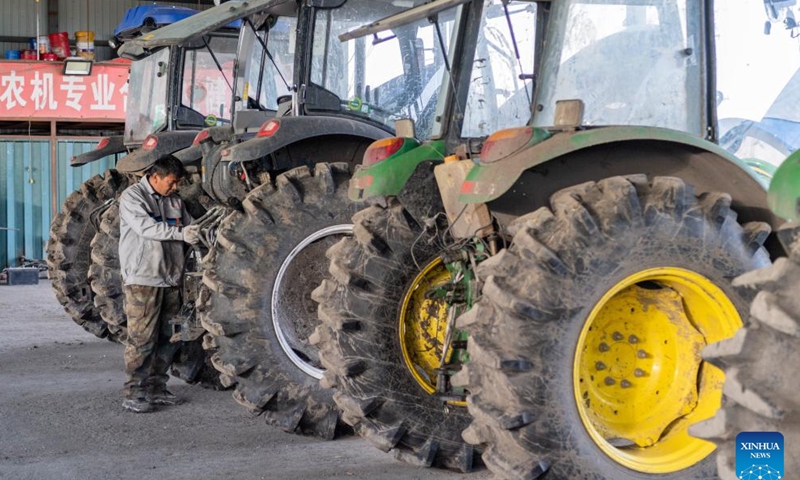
pixel 154 224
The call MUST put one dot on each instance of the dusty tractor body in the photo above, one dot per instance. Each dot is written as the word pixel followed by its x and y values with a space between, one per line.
pixel 558 279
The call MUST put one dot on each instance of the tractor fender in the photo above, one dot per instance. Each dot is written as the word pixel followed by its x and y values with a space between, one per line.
pixel 107 146
pixel 194 152
pixel 526 179
pixel 168 143
pixel 295 129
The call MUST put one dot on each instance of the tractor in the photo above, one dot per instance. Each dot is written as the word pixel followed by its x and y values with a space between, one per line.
pixel 552 287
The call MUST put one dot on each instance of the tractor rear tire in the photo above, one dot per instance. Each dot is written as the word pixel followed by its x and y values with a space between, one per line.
pixel 191 363
pixel 258 309
pixel 69 249
pixel 761 363
pixel 544 363
pixel 359 340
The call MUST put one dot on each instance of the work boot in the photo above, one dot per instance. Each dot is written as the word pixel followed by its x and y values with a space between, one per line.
pixel 164 397
pixel 137 405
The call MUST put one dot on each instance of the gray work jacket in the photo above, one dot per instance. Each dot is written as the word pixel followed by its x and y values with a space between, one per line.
pixel 150 236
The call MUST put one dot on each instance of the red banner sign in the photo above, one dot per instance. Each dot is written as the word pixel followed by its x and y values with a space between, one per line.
pixel 38 90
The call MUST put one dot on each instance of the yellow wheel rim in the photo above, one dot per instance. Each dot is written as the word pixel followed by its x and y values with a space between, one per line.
pixel 423 322
pixel 639 379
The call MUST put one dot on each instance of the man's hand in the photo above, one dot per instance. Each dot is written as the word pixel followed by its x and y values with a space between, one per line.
pixel 191 234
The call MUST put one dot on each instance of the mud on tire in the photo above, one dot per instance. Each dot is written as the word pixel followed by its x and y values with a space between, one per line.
pixel 761 363
pixel 257 306
pixel 360 342
pixel 539 294
pixel 69 250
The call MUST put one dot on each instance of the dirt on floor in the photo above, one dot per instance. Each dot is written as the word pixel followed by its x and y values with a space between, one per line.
pixel 61 417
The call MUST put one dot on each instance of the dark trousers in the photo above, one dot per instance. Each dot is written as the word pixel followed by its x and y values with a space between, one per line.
pixel 149 353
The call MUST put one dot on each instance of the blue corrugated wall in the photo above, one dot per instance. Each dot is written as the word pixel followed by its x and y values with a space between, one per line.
pixel 27 190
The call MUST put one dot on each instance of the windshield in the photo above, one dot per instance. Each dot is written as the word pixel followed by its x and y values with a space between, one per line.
pixel 146 110
pixel 261 81
pixel 631 63
pixel 398 76
pixel 498 98
pixel 206 83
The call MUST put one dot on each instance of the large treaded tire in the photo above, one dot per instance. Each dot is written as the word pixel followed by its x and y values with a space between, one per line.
pixel 191 363
pixel 360 342
pixel 69 249
pixel 761 363
pixel 104 273
pixel 537 297
pixel 243 266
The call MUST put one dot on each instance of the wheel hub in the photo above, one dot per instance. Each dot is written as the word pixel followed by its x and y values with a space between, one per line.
pixel 423 322
pixel 636 356
pixel 432 348
pixel 639 378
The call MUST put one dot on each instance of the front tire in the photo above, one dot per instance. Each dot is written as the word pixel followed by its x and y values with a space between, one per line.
pixel 585 347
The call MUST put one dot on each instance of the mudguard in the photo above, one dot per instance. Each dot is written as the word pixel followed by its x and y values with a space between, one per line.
pixel 294 129
pixel 525 179
pixel 107 146
pixel 195 152
pixel 190 154
pixel 388 177
pixel 168 143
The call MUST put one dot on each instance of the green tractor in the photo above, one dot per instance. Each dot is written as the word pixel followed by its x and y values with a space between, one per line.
pixel 552 287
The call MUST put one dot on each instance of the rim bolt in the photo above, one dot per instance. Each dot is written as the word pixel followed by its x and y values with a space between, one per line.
pixel 616 336
pixel 638 372
pixel 633 339
pixel 625 384
pixel 600 366
pixel 609 381
pixel 604 347
pixel 641 354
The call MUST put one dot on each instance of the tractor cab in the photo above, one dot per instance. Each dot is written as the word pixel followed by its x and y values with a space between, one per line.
pixel 174 90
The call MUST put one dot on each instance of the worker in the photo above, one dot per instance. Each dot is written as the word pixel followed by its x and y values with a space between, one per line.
pixel 154 223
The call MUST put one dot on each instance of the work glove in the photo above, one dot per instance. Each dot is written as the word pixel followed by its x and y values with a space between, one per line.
pixel 191 234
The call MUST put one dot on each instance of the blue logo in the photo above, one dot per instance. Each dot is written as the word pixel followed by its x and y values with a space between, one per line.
pixel 759 456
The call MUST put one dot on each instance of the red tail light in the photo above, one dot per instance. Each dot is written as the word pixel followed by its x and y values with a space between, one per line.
pixel 103 144
pixel 269 128
pixel 201 135
pixel 150 142
pixel 382 149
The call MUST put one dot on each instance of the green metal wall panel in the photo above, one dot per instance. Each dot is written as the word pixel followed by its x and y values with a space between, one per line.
pixel 27 190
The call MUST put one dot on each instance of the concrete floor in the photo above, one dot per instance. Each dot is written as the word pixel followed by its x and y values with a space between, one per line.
pixel 60 417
